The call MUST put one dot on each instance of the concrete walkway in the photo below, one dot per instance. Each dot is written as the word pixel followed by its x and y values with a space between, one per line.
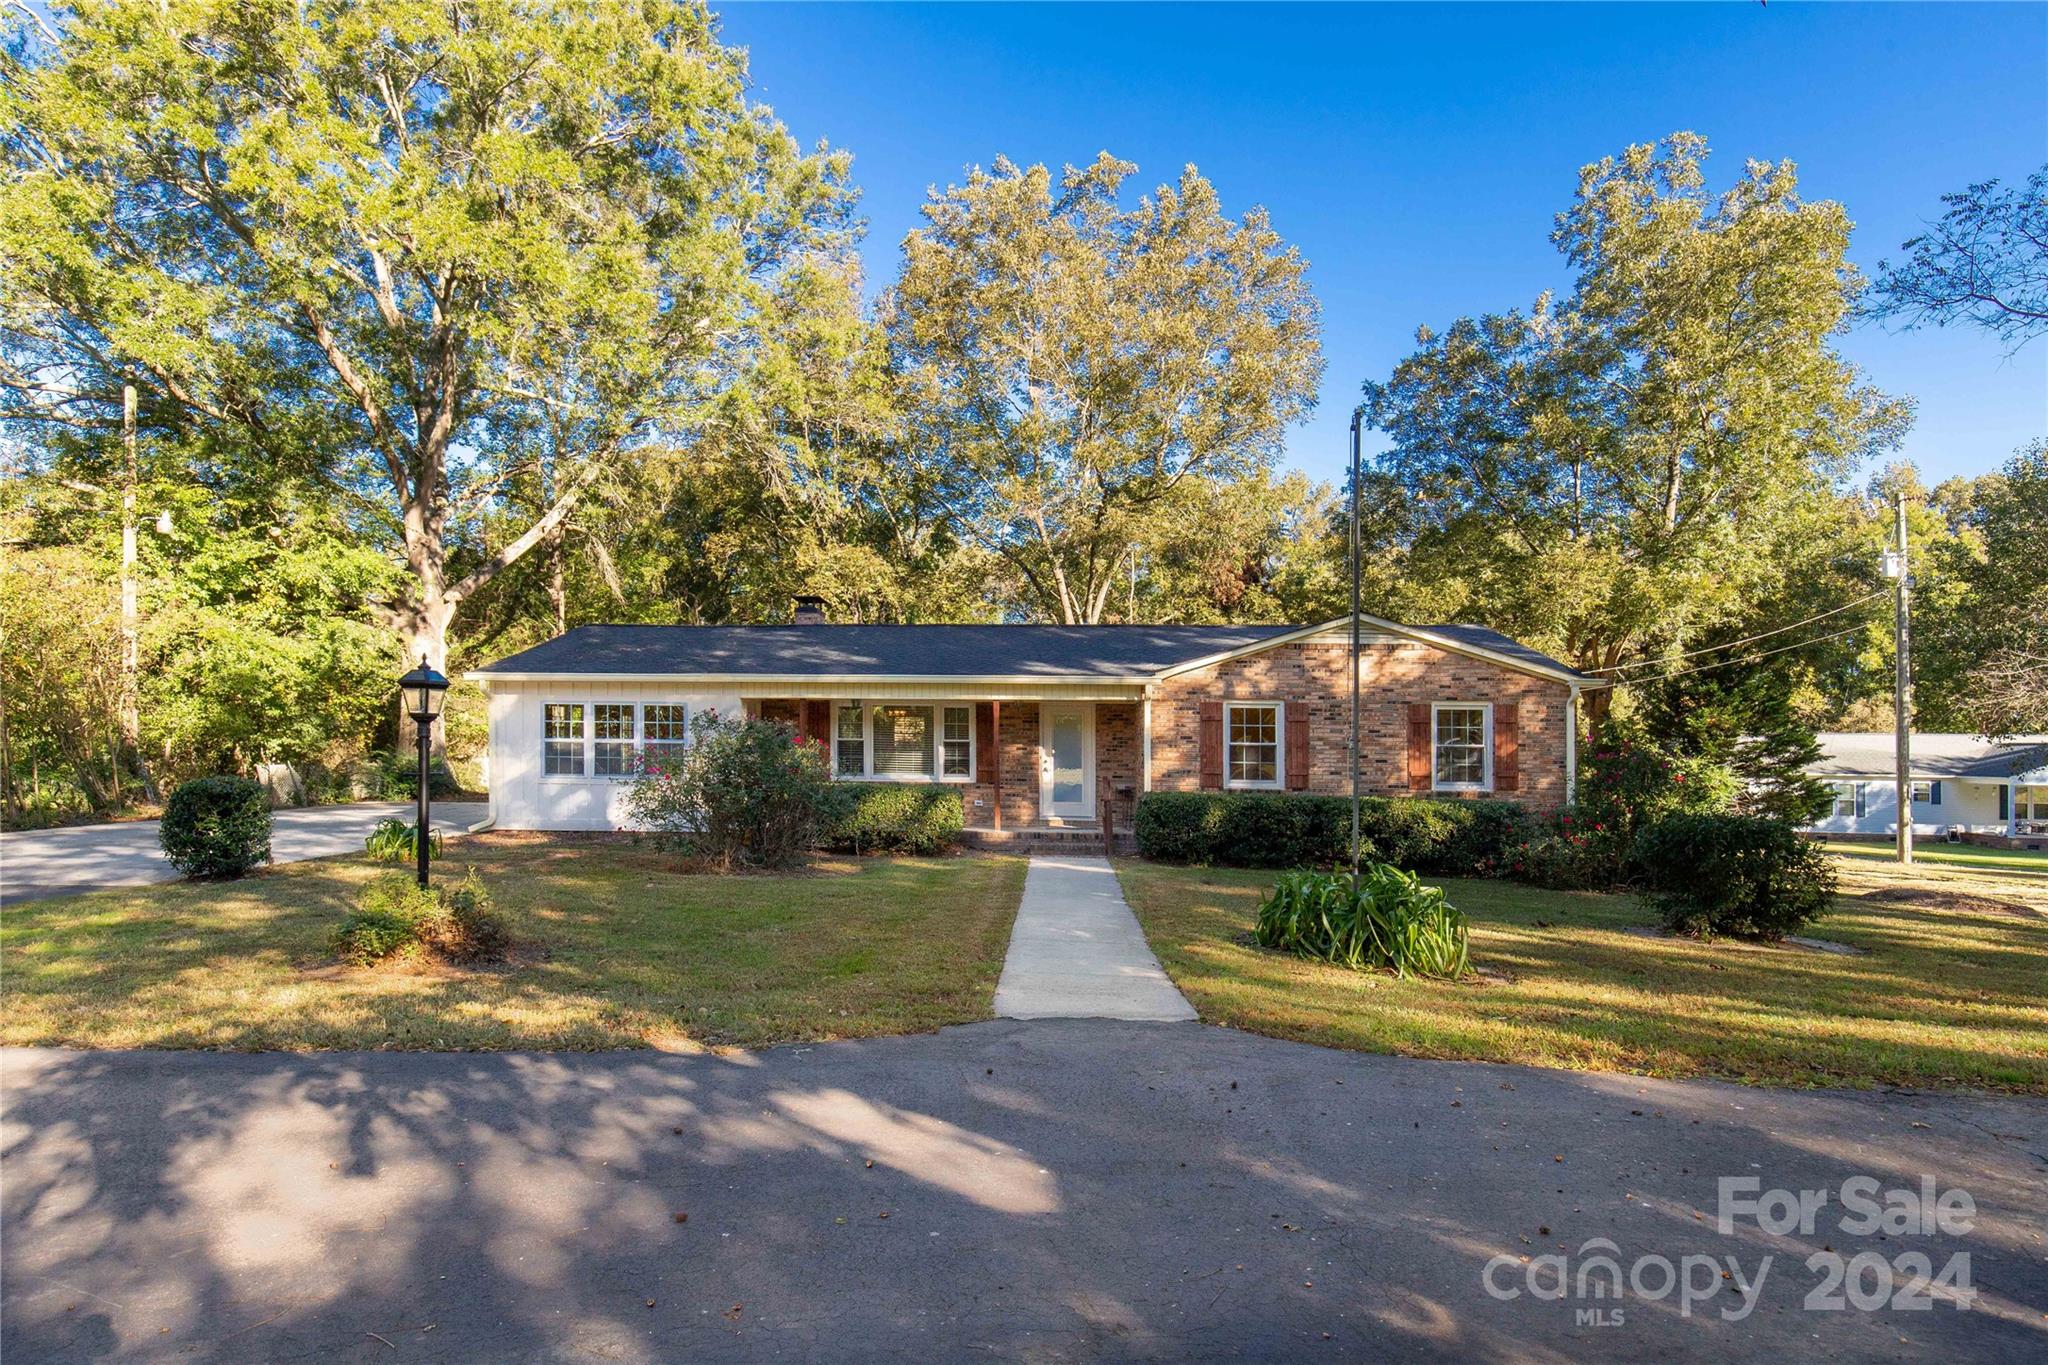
pixel 1077 952
pixel 63 862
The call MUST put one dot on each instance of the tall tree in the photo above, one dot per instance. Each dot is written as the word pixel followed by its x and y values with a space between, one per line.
pixel 375 236
pixel 1616 474
pixel 1068 363
pixel 1985 646
pixel 1984 262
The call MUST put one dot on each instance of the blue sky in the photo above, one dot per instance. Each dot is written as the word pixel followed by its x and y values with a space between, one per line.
pixel 1417 154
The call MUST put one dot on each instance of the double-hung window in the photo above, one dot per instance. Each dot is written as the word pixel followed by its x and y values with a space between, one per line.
pixel 562 739
pixel 959 741
pixel 612 725
pixel 1927 793
pixel 850 743
pixel 1463 758
pixel 1252 734
pixel 1845 800
pixel 664 730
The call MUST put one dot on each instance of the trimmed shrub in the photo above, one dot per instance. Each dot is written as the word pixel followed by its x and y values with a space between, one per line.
pixel 1740 875
pixel 745 791
pixel 1392 920
pixel 1292 830
pixel 394 841
pixel 395 917
pixel 896 817
pixel 216 827
pixel 1557 857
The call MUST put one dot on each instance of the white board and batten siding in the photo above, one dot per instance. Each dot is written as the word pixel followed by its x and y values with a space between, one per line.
pixel 525 797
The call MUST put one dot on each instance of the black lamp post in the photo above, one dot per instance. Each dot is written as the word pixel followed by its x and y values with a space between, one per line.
pixel 424 690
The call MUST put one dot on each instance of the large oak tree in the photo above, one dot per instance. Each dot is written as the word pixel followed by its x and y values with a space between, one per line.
pixel 429 252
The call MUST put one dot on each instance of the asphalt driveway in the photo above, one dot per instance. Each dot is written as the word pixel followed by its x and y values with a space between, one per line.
pixel 63 862
pixel 1045 1190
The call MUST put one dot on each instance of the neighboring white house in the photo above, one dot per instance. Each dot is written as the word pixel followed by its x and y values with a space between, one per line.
pixel 1960 782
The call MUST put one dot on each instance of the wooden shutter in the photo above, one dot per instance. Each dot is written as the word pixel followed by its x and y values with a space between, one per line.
pixel 817 724
pixel 1211 733
pixel 1420 739
pixel 985 755
pixel 2004 810
pixel 1507 741
pixel 1297 746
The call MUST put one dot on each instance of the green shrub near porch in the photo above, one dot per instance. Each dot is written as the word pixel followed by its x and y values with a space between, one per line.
pixel 896 817
pixel 1246 829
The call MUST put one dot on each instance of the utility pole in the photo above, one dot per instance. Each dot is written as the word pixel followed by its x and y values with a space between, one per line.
pixel 1902 682
pixel 1357 417
pixel 131 649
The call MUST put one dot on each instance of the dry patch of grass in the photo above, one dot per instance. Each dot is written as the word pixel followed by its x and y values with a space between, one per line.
pixel 615 946
pixel 1946 992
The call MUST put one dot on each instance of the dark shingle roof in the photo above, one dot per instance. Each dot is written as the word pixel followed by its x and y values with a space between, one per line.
pixel 916 651
pixel 1935 754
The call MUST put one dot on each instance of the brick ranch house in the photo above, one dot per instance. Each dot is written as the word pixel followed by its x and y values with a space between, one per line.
pixel 1041 727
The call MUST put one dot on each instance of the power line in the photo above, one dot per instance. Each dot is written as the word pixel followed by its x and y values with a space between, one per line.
pixel 1746 659
pixel 1747 639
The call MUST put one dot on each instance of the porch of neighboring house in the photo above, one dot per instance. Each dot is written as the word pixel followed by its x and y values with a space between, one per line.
pixel 1043 773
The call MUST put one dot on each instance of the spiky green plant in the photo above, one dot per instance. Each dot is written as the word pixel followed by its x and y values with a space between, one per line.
pixel 395 841
pixel 1391 921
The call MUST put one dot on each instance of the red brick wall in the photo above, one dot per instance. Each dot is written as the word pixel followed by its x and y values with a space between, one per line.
pixel 1394 676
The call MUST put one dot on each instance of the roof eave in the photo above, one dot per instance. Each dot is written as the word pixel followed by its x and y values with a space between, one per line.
pixel 1581 681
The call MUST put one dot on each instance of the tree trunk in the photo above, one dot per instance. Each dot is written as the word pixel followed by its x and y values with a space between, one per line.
pixel 558 594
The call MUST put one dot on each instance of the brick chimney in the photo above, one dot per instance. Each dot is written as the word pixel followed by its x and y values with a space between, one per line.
pixel 810 611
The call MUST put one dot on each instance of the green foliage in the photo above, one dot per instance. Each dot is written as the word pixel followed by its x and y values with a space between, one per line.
pixel 1258 829
pixel 1745 724
pixel 1740 875
pixel 744 791
pixel 216 827
pixel 440 258
pixel 395 917
pixel 896 817
pixel 394 775
pixel 1187 343
pixel 394 841
pixel 1619 472
pixel 1983 648
pixel 1391 920
pixel 1627 781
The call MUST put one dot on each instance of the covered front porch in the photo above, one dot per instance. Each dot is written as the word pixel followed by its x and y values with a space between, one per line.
pixel 1032 770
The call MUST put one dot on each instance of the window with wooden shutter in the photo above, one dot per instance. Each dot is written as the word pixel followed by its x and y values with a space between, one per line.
pixel 1507 740
pixel 1420 738
pixel 1210 734
pixel 1296 731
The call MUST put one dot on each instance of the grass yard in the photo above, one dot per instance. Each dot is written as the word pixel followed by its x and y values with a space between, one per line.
pixel 1952 990
pixel 2023 862
pixel 619 949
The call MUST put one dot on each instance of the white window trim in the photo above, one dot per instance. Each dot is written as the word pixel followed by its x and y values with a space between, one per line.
pixel 1845 795
pixel 1436 783
pixel 867 741
pixel 588 741
pixel 1279 782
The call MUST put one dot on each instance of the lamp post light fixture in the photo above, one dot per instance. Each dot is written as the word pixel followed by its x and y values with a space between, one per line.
pixel 424 691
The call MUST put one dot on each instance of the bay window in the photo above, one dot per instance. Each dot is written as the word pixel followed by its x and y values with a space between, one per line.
pixel 903 741
pixel 1463 759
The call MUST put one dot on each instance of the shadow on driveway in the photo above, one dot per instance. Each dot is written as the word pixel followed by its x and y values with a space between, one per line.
pixel 1054 1190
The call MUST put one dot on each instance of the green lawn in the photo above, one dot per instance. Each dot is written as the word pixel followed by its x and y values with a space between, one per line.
pixel 2021 860
pixel 1950 992
pixel 619 949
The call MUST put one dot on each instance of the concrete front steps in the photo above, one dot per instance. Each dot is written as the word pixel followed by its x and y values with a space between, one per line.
pixel 1083 838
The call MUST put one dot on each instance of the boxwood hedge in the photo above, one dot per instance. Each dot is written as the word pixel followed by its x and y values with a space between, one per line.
pixel 1247 829
pixel 895 817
